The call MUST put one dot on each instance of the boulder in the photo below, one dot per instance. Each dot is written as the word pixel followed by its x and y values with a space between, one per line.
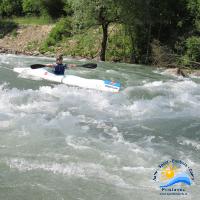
pixel 176 72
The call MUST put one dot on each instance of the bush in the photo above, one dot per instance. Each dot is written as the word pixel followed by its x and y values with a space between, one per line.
pixel 54 8
pixel 10 7
pixel 119 45
pixel 6 27
pixel 193 48
pixel 32 7
pixel 162 56
pixel 61 30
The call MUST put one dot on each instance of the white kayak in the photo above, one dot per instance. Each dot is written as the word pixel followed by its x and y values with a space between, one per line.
pixel 103 85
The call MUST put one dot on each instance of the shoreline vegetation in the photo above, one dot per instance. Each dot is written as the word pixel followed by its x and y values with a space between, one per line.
pixel 33 38
pixel 132 31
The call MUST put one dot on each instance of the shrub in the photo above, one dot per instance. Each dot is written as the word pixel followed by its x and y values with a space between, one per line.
pixel 54 8
pixel 61 30
pixel 32 7
pixel 193 48
pixel 162 56
pixel 6 27
pixel 10 7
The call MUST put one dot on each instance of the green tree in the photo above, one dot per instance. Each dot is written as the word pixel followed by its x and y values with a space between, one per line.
pixel 61 30
pixel 31 7
pixel 193 48
pixel 146 20
pixel 99 12
pixel 54 8
pixel 10 7
pixel 194 8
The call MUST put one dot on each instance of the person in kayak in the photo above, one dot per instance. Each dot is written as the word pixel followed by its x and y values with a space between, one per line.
pixel 59 67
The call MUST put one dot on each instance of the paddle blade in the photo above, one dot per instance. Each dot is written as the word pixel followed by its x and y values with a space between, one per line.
pixel 89 65
pixel 37 66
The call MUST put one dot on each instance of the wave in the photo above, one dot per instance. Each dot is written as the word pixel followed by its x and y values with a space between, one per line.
pixel 183 178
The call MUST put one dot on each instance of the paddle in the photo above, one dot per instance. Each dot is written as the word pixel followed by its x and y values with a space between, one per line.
pixel 88 65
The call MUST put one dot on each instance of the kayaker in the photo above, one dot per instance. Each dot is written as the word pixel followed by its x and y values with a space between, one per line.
pixel 59 67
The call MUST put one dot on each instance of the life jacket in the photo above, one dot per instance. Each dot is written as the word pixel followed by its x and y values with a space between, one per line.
pixel 59 69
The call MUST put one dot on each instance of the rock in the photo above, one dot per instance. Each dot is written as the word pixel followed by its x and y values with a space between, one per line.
pixel 36 53
pixel 176 72
pixel 196 73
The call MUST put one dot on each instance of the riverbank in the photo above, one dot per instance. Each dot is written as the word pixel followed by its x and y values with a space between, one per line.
pixel 29 40
pixel 23 37
pixel 35 39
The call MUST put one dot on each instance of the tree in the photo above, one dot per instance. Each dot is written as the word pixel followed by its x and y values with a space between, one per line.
pixel 194 9
pixel 98 12
pixel 10 7
pixel 146 20
pixel 32 7
pixel 54 8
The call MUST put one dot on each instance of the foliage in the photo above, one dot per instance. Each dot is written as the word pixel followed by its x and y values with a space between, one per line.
pixel 119 45
pixel 10 7
pixel 87 44
pixel 193 48
pixel 93 12
pixel 68 11
pixel 162 55
pixel 165 21
pixel 83 44
pixel 88 13
pixel 175 25
pixel 54 8
pixel 62 29
pixel 31 7
pixel 6 27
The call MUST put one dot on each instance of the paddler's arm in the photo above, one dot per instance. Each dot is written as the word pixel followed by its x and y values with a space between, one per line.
pixel 71 65
pixel 49 65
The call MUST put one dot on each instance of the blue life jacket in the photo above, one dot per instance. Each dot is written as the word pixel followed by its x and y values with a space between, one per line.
pixel 59 69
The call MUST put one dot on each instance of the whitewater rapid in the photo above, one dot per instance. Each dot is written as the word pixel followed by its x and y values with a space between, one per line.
pixel 60 142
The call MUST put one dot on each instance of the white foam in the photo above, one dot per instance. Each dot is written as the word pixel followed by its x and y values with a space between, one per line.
pixel 153 84
pixel 78 143
pixel 178 97
pixel 139 170
pixel 112 139
pixel 189 142
pixel 23 132
pixel 4 124
pixel 195 77
pixel 81 170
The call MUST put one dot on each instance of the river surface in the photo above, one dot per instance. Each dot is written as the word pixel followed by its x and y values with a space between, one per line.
pixel 59 142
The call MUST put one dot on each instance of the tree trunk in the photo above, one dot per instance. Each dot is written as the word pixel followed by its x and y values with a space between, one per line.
pixel 104 42
pixel 148 44
pixel 133 56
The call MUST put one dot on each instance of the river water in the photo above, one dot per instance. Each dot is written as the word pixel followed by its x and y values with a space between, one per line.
pixel 59 142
